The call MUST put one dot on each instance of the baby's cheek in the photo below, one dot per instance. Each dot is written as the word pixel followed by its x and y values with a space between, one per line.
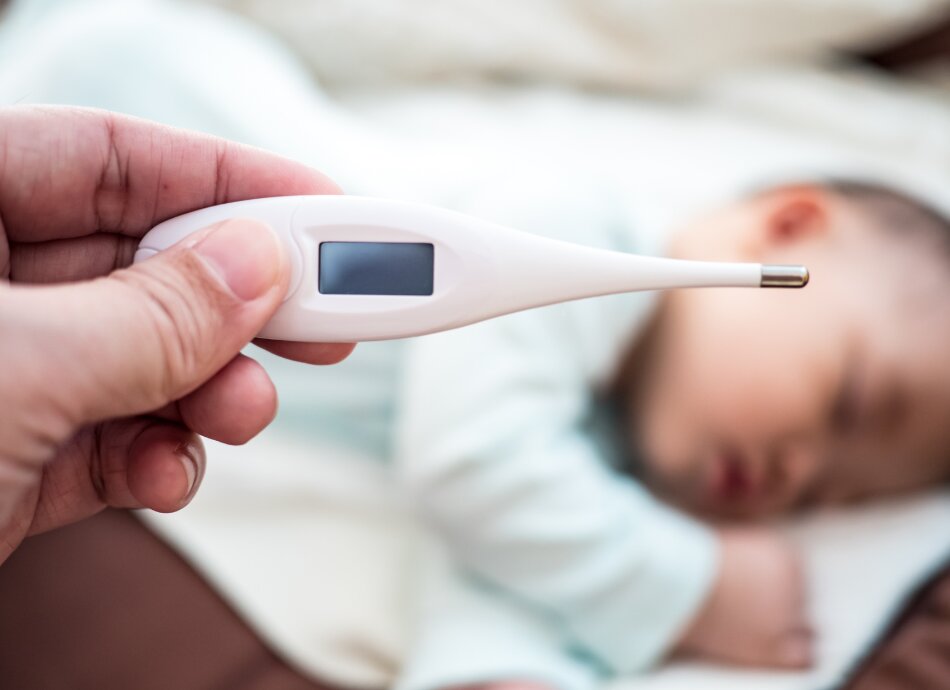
pixel 666 444
pixel 651 429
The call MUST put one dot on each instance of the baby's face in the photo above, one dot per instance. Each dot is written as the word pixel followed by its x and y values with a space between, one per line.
pixel 750 403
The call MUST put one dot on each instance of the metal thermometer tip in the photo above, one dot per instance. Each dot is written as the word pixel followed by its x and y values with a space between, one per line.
pixel 775 276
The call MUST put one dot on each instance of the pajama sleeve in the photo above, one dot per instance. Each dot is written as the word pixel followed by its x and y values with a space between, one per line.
pixel 493 448
pixel 465 632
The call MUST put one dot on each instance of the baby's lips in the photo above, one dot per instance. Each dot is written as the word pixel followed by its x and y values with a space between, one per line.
pixel 729 478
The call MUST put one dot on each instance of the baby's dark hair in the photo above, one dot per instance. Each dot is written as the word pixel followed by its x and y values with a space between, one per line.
pixel 894 210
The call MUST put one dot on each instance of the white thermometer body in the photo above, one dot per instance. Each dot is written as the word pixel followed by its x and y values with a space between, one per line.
pixel 373 269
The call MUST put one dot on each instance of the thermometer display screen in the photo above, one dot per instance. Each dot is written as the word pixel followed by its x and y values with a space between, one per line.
pixel 376 268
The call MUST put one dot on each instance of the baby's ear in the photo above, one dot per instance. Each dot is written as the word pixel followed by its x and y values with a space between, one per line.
pixel 794 213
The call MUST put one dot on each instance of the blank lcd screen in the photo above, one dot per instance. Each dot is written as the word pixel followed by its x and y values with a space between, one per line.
pixel 376 268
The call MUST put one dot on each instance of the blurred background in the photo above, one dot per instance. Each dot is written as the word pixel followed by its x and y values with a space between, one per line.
pixel 552 115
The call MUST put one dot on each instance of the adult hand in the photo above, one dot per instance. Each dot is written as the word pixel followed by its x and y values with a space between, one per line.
pixel 108 374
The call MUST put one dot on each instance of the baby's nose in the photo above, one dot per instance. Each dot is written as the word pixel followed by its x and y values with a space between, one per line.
pixel 793 467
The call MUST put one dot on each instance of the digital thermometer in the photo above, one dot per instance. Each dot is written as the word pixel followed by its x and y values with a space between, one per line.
pixel 374 269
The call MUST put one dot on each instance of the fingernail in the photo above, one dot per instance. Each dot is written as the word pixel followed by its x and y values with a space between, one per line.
pixel 246 254
pixel 187 456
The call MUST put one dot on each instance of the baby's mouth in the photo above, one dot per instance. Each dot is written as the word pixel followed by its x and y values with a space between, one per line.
pixel 731 483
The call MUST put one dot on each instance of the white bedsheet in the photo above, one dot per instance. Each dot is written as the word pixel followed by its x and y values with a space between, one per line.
pixel 660 45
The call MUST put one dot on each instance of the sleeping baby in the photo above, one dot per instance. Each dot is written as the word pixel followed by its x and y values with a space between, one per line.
pixel 521 437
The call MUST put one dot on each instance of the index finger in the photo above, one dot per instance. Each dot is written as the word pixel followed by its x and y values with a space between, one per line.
pixel 69 172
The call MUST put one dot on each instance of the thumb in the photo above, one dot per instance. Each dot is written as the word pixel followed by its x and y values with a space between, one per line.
pixel 147 335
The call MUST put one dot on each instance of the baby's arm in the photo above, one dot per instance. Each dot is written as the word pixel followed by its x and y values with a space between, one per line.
pixel 494 450
pixel 755 612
